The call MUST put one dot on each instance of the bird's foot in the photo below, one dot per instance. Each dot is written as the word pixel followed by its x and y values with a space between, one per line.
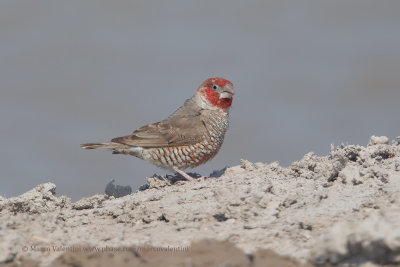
pixel 187 176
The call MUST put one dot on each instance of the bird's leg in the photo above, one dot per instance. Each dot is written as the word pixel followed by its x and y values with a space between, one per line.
pixel 184 174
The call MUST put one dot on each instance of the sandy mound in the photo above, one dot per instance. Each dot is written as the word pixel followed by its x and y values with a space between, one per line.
pixel 341 208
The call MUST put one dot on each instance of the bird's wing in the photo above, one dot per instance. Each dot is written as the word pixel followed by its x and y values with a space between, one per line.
pixel 174 131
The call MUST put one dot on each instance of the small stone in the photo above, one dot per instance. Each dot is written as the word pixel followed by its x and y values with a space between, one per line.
pixel 305 226
pixel 356 182
pixel 83 204
pixel 220 217
pixel 397 166
pixel 396 141
pixel 218 173
pixel 247 165
pixel 117 190
pixel 378 140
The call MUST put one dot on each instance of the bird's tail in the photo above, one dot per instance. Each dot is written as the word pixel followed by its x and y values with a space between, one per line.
pixel 116 148
pixel 109 145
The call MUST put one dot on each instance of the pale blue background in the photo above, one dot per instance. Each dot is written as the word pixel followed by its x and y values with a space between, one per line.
pixel 306 74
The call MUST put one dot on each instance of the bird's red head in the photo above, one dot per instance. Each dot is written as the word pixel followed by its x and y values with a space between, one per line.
pixel 218 92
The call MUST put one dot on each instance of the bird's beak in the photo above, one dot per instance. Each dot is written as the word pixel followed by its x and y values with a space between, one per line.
pixel 228 92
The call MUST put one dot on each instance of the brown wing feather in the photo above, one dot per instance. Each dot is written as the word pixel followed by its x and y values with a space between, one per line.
pixel 176 130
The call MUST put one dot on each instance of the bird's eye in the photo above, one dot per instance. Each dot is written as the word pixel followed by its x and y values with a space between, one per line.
pixel 215 87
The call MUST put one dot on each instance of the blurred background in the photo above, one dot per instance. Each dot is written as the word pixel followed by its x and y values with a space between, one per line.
pixel 306 74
